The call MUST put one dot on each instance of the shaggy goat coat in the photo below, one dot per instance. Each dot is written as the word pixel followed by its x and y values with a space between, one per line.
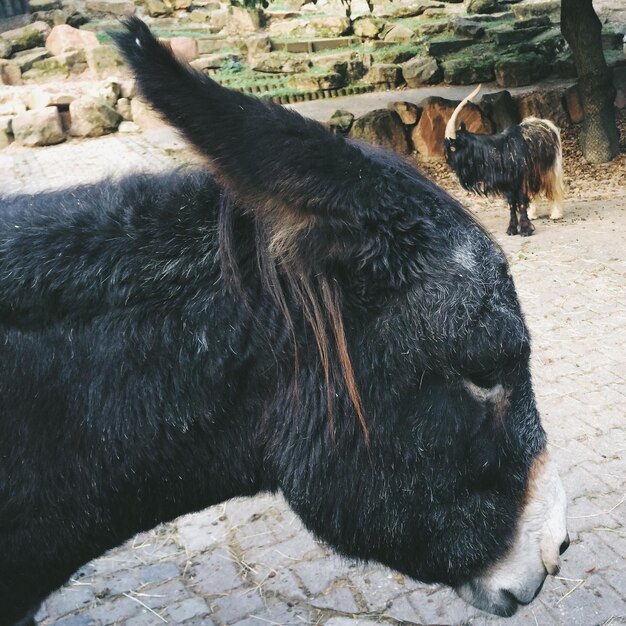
pixel 520 163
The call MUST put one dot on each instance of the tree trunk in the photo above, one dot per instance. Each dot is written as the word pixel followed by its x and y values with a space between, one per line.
pixel 599 138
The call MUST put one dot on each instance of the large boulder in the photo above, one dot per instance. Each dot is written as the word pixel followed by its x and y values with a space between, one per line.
pixel 445 47
pixel 548 43
pixel 25 59
pixel 280 63
pixel 544 104
pixel 122 106
pixel 340 122
pixel 533 9
pixel 414 9
pixel 10 73
pixel 53 68
pixel 368 27
pixel 381 127
pixel 64 38
pixel 157 8
pixel 11 105
pixel 463 27
pixel 24 38
pixel 49 97
pixel 501 109
pixel 408 112
pixel 383 74
pixel 144 116
pixel 429 133
pixel 467 70
pixel 400 34
pixel 109 91
pixel 93 117
pixel 185 48
pixel 317 82
pixel 290 28
pixel 574 104
pixel 6 48
pixel 507 36
pixel 38 128
pixel 104 60
pixel 6 133
pixel 619 81
pixel 330 25
pixel 480 6
pixel 421 71
pixel 35 6
pixel 111 7
pixel 520 69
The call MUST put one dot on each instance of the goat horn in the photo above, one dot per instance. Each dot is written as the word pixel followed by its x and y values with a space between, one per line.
pixel 451 125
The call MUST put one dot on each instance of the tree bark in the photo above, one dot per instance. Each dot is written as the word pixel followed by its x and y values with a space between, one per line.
pixel 599 137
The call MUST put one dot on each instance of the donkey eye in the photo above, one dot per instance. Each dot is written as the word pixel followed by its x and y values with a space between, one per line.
pixel 483 386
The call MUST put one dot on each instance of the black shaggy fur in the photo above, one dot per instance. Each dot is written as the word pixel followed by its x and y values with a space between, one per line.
pixel 302 320
pixel 515 163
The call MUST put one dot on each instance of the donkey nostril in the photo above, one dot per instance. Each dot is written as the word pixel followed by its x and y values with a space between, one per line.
pixel 564 545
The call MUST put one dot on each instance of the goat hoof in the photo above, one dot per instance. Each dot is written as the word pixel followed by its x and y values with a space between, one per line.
pixel 511 230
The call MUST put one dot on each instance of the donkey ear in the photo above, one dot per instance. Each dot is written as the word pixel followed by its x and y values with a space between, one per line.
pixel 270 157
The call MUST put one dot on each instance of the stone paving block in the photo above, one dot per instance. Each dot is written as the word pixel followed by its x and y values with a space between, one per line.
pixel 163 595
pixel 586 514
pixel 279 555
pixel 279 614
pixel 617 580
pixel 237 605
pixel 188 609
pixel 200 532
pixel 255 534
pixel 281 583
pixel 115 611
pixel 145 618
pixel 589 554
pixel 319 574
pixel 347 621
pixel 584 483
pixel 402 610
pixel 70 598
pixel 215 573
pixel 380 586
pixel 591 603
pixel 77 620
pixel 340 599
pixel 116 583
pixel 438 605
pixel 157 573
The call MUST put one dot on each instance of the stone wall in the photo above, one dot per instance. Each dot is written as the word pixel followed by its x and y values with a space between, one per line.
pixel 291 54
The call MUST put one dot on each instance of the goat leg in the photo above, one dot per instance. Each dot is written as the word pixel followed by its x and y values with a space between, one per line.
pixel 512 229
pixel 526 227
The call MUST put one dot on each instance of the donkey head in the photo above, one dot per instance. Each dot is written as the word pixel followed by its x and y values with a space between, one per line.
pixel 398 418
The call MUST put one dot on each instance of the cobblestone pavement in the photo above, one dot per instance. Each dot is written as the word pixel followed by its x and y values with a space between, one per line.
pixel 250 562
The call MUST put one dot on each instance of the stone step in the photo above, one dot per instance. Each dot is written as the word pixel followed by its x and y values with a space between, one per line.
pixel 315 45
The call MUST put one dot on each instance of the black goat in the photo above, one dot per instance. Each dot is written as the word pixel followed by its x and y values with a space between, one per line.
pixel 314 318
pixel 519 163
